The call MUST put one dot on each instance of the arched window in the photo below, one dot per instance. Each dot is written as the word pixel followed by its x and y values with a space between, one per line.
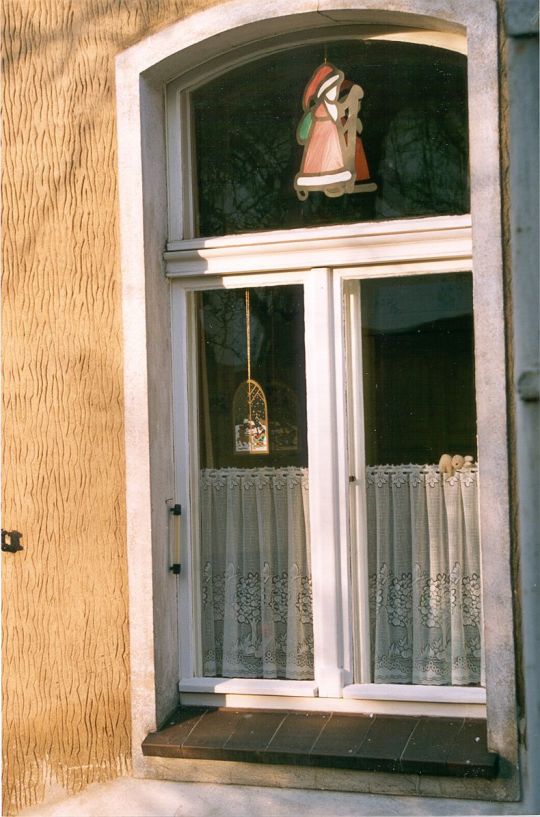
pixel 413 117
pixel 405 540
pixel 333 346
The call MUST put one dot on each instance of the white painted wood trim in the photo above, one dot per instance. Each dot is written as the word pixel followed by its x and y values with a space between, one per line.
pixel 342 488
pixel 188 187
pixel 420 267
pixel 329 502
pixel 195 78
pixel 174 151
pixel 199 283
pixel 185 357
pixel 436 39
pixel 191 386
pixel 339 232
pixel 357 486
pixel 323 483
pixel 347 245
pixel 250 686
pixel 417 692
pixel 356 706
pixel 181 384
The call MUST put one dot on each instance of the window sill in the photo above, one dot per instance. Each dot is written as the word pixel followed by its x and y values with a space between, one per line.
pixel 250 686
pixel 434 746
pixel 416 692
pixel 309 689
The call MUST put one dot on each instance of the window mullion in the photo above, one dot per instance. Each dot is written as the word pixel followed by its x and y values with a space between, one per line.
pixel 323 483
pixel 357 485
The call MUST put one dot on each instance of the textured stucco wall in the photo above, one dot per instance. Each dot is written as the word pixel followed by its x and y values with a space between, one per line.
pixel 65 617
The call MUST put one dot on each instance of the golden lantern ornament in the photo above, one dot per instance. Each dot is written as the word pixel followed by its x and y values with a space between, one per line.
pixel 250 408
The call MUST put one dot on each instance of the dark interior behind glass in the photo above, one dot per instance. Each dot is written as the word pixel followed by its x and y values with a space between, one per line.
pixel 414 115
pixel 276 318
pixel 418 368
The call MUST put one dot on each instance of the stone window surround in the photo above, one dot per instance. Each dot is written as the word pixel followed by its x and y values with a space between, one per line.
pixel 141 73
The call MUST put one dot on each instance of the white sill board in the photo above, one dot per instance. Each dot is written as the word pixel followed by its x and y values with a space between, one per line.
pixel 309 689
pixel 403 692
pixel 353 706
pixel 250 686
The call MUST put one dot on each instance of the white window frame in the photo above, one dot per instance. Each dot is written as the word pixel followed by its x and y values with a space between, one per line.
pixel 430 245
pixel 182 200
pixel 142 73
pixel 352 413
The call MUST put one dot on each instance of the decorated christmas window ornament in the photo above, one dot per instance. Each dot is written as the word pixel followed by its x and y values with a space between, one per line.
pixel 250 408
pixel 334 161
pixel 250 419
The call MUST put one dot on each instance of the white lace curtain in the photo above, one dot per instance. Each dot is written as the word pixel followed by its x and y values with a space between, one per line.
pixel 256 574
pixel 424 576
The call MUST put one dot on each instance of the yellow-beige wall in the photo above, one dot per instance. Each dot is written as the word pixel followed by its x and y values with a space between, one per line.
pixel 65 612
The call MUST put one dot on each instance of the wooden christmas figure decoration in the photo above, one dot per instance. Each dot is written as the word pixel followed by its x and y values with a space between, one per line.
pixel 334 160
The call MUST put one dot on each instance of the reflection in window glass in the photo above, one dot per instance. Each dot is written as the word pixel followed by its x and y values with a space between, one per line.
pixel 423 534
pixel 417 342
pixel 256 611
pixel 275 356
pixel 414 116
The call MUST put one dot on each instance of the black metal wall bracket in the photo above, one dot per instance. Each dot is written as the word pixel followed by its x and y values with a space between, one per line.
pixel 11 541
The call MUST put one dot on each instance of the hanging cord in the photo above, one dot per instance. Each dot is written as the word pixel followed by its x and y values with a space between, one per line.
pixel 248 335
pixel 248 351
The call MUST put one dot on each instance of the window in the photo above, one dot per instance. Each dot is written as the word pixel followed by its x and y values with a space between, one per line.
pixel 415 137
pixel 420 520
pixel 334 257
pixel 328 555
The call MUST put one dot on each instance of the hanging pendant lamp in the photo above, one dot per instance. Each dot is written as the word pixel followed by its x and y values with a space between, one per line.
pixel 250 409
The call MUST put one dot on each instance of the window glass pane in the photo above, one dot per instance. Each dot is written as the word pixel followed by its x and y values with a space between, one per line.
pixel 417 342
pixel 423 534
pixel 254 527
pixel 276 359
pixel 414 118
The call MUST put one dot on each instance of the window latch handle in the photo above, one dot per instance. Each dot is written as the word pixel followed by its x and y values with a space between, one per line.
pixel 176 560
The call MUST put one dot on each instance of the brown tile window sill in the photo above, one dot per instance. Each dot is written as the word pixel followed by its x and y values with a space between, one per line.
pixel 435 746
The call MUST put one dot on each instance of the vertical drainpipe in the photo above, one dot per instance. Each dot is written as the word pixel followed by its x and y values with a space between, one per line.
pixel 521 23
